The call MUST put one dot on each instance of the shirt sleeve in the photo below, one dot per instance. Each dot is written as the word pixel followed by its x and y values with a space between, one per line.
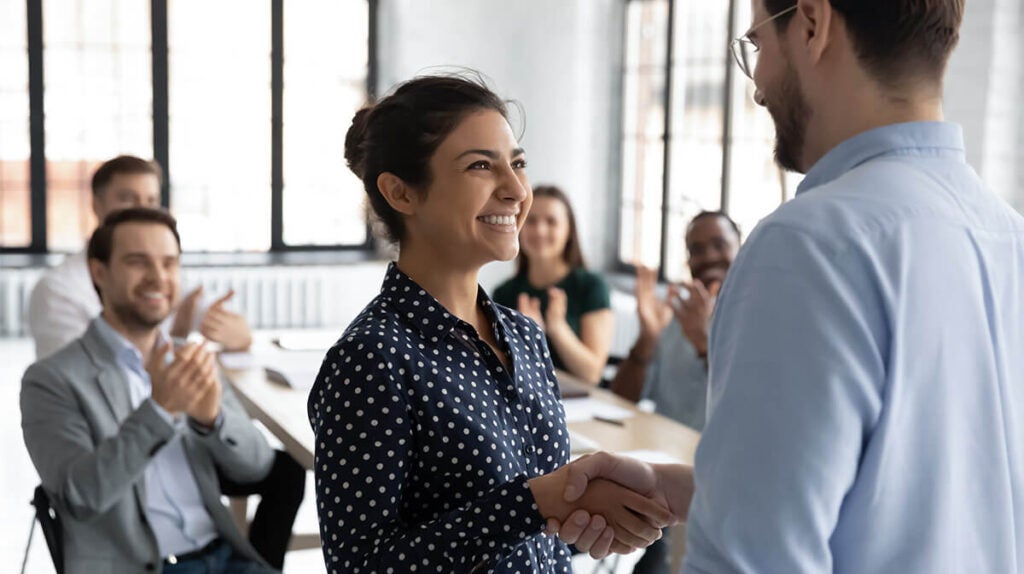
pixel 55 317
pixel 596 295
pixel 365 448
pixel 795 391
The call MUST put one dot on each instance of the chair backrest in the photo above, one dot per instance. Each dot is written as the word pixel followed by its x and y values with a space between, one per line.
pixel 50 524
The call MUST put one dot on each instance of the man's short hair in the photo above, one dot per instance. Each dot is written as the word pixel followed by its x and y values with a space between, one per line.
pixel 722 214
pixel 101 244
pixel 123 164
pixel 896 40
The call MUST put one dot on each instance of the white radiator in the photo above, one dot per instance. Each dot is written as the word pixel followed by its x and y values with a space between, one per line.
pixel 15 288
pixel 270 297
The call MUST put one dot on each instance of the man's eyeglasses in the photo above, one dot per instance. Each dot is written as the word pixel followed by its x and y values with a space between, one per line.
pixel 745 50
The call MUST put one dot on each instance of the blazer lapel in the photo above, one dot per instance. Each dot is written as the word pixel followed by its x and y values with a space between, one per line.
pixel 110 379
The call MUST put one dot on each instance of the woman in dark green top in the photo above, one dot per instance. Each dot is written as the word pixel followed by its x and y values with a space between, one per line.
pixel 554 288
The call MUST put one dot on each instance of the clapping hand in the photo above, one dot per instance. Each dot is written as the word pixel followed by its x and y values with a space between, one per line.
pixel 694 311
pixel 188 384
pixel 226 327
pixel 530 308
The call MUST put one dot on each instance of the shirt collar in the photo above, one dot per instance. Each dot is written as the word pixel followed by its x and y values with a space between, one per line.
pixel 418 308
pixel 126 353
pixel 931 139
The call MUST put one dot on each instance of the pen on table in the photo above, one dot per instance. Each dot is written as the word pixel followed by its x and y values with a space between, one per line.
pixel 616 422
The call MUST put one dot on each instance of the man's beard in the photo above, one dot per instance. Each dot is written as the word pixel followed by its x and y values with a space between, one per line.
pixel 790 114
pixel 134 320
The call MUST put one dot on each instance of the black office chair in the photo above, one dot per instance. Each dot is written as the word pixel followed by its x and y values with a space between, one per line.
pixel 50 523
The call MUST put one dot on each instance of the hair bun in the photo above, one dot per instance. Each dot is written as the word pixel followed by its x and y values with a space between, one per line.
pixel 355 150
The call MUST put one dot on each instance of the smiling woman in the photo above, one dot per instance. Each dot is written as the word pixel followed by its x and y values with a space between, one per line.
pixel 439 431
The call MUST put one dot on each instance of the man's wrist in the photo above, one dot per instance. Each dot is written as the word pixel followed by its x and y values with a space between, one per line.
pixel 642 352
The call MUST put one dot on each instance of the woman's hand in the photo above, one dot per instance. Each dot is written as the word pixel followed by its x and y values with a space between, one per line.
pixel 558 305
pixel 635 519
pixel 530 308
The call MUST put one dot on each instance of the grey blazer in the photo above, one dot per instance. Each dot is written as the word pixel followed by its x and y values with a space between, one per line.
pixel 91 450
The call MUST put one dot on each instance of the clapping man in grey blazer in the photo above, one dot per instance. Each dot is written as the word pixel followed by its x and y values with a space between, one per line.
pixel 128 433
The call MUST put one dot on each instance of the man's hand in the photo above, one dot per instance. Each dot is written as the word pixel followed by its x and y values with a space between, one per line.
pixel 653 313
pixel 670 484
pixel 635 519
pixel 530 308
pixel 226 327
pixel 207 406
pixel 185 314
pixel 694 312
pixel 177 386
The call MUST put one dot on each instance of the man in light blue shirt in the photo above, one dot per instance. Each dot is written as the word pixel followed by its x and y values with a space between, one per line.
pixel 867 354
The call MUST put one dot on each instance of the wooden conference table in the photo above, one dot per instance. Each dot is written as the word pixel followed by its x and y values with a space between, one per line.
pixel 282 409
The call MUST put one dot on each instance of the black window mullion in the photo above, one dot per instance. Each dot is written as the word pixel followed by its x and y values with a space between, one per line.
pixel 37 131
pixel 728 116
pixel 667 151
pixel 161 101
pixel 277 125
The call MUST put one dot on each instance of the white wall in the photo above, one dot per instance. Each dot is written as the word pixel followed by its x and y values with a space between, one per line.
pixel 562 60
pixel 982 93
pixel 559 59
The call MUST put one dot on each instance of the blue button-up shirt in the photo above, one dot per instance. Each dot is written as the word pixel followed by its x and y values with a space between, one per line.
pixel 173 504
pixel 425 441
pixel 867 374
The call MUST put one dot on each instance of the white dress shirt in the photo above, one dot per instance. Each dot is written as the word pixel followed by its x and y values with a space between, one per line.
pixel 62 304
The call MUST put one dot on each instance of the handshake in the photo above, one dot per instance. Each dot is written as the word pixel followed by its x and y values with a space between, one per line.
pixel 605 503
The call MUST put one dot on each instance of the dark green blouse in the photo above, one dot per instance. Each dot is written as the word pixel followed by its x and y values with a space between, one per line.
pixel 585 291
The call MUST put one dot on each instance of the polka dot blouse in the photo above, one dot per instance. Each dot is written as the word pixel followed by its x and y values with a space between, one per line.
pixel 424 441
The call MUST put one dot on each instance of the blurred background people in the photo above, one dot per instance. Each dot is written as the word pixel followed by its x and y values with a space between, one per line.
pixel 553 287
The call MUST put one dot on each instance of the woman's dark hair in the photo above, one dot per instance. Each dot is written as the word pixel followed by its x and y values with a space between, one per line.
pixel 401 132
pixel 572 254
pixel 896 40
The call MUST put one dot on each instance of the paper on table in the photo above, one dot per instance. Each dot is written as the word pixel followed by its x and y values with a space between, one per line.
pixel 582 410
pixel 651 456
pixel 238 361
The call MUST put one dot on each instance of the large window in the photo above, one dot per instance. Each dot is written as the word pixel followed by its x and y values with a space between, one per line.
pixel 15 205
pixel 98 102
pixel 681 95
pixel 244 104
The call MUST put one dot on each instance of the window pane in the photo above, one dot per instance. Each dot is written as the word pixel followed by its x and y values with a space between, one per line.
pixel 98 102
pixel 643 132
pixel 699 58
pixel 326 57
pixel 219 66
pixel 15 209
pixel 756 185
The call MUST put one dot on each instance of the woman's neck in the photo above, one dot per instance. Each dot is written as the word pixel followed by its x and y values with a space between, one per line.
pixel 453 286
pixel 546 272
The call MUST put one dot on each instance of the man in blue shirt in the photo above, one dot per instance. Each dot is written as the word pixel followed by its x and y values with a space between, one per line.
pixel 866 365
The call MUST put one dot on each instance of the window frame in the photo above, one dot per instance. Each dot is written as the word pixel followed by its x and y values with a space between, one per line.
pixel 161 123
pixel 728 113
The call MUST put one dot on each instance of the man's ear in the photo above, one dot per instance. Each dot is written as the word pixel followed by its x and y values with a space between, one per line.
pixel 815 23
pixel 399 195
pixel 97 272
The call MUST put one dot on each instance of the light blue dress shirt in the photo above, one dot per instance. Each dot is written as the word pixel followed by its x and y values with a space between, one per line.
pixel 867 374
pixel 174 506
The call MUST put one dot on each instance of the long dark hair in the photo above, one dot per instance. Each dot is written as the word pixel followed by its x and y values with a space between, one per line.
pixel 401 132
pixel 572 254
